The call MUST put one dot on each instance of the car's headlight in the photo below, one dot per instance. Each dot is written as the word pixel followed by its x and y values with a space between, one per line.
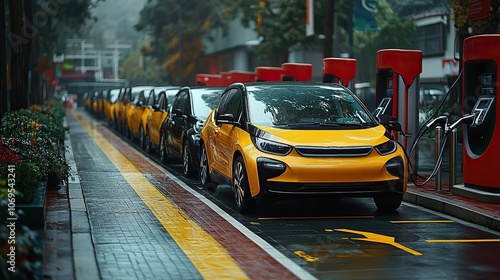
pixel 198 126
pixel 386 148
pixel 271 147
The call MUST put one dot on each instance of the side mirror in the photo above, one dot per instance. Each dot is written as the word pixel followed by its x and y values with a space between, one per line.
pixel 177 113
pixel 390 123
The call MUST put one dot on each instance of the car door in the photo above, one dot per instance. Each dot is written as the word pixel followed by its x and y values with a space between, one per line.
pixel 223 136
pixel 156 118
pixel 177 122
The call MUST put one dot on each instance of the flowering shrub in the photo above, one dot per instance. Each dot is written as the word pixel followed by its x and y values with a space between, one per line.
pixel 33 137
pixel 26 173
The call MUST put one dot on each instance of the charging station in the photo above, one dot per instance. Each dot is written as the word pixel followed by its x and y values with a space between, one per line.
pixel 301 72
pixel 209 80
pixel 396 91
pixel 268 74
pixel 481 60
pixel 238 76
pixel 339 70
pixel 225 78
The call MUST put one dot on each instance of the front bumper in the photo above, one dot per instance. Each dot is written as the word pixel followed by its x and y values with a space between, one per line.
pixel 315 176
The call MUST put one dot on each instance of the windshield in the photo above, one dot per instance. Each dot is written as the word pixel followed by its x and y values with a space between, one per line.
pixel 205 100
pixel 305 104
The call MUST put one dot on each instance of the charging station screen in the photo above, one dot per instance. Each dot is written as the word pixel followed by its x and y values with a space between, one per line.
pixel 487 84
pixel 487 80
pixel 390 86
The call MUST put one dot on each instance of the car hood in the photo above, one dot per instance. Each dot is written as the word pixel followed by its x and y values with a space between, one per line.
pixel 371 136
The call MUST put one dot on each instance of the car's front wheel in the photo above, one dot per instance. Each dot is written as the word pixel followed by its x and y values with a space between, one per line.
pixel 205 179
pixel 241 189
pixel 388 201
pixel 187 168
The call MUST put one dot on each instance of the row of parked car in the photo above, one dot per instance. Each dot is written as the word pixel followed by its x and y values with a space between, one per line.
pixel 165 121
pixel 276 139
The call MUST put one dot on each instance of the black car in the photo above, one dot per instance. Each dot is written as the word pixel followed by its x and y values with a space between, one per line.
pixel 181 129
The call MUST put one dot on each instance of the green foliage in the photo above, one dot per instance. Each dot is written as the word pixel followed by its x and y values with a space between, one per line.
pixel 138 69
pixel 489 24
pixel 64 19
pixel 35 136
pixel 169 22
pixel 393 33
pixel 283 25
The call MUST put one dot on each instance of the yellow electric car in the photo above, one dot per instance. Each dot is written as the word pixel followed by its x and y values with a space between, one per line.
pixel 294 139
pixel 110 99
pixel 148 110
pixel 135 110
pixel 155 119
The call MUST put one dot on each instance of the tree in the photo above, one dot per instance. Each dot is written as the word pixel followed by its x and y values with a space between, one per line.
pixel 463 24
pixel 393 32
pixel 176 29
pixel 280 25
pixel 138 70
pixel 33 28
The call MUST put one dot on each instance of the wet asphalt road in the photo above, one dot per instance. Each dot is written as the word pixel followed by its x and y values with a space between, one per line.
pixel 350 239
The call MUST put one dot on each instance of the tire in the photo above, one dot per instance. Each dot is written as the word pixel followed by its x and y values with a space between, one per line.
pixel 205 179
pixel 128 134
pixel 388 202
pixel 163 150
pixel 187 167
pixel 142 138
pixel 245 203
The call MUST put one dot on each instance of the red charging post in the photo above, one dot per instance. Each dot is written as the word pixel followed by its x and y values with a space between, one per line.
pixel 209 80
pixel 392 63
pixel 268 74
pixel 242 76
pixel 481 153
pixel 226 78
pixel 301 72
pixel 335 69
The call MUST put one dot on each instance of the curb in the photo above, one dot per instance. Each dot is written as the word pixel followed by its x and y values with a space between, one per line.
pixel 84 258
pixel 433 202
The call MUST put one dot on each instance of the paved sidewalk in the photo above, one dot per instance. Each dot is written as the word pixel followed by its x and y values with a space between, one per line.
pixel 445 201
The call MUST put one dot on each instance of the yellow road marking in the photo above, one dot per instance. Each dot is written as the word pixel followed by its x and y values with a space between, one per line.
pixel 461 240
pixel 319 217
pixel 378 238
pixel 306 256
pixel 208 256
pixel 422 221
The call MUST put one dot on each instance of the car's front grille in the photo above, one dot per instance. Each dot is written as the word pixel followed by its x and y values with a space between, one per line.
pixel 312 151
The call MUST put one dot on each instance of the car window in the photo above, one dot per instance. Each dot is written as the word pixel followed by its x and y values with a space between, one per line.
pixel 151 98
pixel 181 102
pixel 231 104
pixel 305 104
pixel 162 105
pixel 204 101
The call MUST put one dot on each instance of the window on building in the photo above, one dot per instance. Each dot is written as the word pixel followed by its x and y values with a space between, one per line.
pixel 430 39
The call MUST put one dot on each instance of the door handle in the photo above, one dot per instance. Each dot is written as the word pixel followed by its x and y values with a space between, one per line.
pixel 216 132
